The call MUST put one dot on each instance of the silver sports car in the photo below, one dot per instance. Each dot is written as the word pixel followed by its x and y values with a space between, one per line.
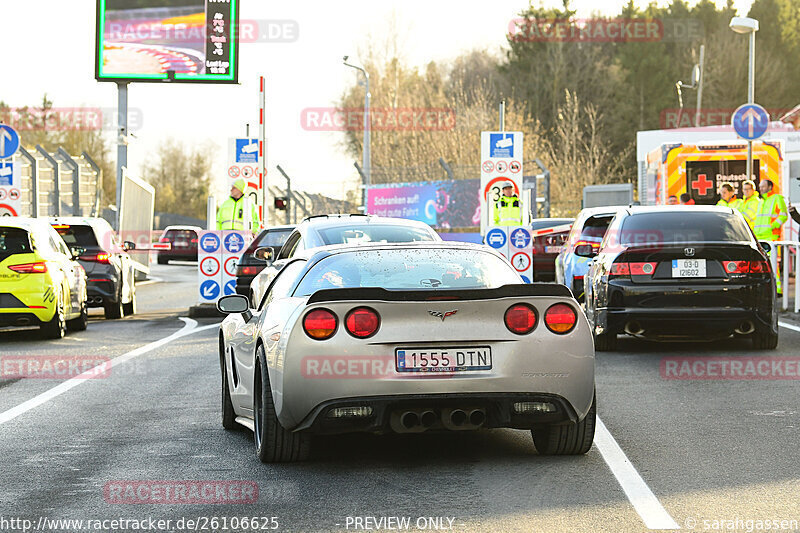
pixel 406 338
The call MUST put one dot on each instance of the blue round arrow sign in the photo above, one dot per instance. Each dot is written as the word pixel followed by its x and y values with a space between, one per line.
pixel 9 141
pixel 750 121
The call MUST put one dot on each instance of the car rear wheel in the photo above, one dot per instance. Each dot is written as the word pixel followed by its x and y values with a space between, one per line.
pixel 56 328
pixel 605 342
pixel 114 310
pixel 80 323
pixel 274 444
pixel 765 340
pixel 228 414
pixel 566 439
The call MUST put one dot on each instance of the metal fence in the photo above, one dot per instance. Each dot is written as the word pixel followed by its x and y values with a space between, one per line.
pixel 58 184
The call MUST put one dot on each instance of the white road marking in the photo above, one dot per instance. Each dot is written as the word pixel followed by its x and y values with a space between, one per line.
pixel 149 281
pixel 189 327
pixel 788 326
pixel 639 494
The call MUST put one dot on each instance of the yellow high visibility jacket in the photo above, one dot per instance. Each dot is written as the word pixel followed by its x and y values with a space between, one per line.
pixel 230 215
pixel 749 208
pixel 508 211
pixel 771 216
pixel 733 204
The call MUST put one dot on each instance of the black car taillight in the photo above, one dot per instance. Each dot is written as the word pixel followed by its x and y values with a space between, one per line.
pixel 642 269
pixel 619 270
pixel 520 319
pixel 362 322
pixel 736 267
pixel 102 257
pixel 320 324
pixel 759 267
pixel 560 318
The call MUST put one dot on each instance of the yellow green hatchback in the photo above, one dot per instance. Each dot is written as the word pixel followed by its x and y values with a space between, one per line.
pixel 41 283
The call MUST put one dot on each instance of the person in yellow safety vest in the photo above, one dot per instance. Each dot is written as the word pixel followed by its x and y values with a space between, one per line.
pixel 728 198
pixel 230 214
pixel 508 209
pixel 771 216
pixel 751 203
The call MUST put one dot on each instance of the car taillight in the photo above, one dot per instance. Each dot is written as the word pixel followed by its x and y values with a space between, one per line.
pixel 619 269
pixel 247 271
pixel 759 267
pixel 642 269
pixel 193 241
pixel 560 318
pixel 320 324
pixel 595 245
pixel 736 267
pixel 520 319
pixel 96 258
pixel 30 268
pixel 163 239
pixel 362 322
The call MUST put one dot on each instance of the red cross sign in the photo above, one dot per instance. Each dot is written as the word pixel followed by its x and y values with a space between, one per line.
pixel 701 184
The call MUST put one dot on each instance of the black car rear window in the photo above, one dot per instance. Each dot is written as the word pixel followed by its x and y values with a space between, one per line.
pixel 77 235
pixel 373 233
pixel 14 241
pixel 683 227
pixel 274 238
pixel 181 235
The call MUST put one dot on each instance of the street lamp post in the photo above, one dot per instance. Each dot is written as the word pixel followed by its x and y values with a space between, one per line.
pixel 748 26
pixel 367 161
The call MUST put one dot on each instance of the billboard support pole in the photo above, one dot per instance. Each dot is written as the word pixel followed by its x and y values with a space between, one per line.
pixel 122 141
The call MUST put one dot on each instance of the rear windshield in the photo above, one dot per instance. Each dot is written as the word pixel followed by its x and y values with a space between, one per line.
pixel 77 235
pixel 683 227
pixel 595 227
pixel 409 269
pixel 14 241
pixel 181 235
pixel 274 238
pixel 373 233
pixel 542 224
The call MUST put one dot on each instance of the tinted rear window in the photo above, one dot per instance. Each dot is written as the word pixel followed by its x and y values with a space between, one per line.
pixel 683 227
pixel 181 235
pixel 14 241
pixel 373 233
pixel 274 238
pixel 77 235
pixel 542 224
pixel 444 268
pixel 596 226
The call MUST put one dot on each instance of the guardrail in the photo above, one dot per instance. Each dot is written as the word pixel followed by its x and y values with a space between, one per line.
pixel 786 248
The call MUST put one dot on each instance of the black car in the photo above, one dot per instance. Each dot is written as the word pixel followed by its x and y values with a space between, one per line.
pixel 109 269
pixel 679 272
pixel 249 266
pixel 183 244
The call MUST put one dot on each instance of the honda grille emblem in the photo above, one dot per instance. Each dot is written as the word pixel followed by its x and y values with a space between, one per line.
pixel 688 251
pixel 439 314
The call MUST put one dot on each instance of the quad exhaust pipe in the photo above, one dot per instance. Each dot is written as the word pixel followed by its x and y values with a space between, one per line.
pixel 452 419
pixel 745 328
pixel 634 328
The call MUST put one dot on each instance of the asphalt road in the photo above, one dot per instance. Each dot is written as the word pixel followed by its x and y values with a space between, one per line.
pixel 705 450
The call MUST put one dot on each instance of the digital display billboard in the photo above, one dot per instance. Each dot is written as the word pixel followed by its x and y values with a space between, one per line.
pixel 441 204
pixel 158 40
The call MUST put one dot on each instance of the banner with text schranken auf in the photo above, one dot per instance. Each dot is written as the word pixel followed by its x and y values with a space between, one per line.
pixel 218 255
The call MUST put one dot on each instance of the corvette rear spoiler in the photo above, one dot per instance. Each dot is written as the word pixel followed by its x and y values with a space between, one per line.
pixel 427 295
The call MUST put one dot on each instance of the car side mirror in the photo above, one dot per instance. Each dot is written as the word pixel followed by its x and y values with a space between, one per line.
pixel 765 245
pixel 235 303
pixel 76 251
pixel 265 253
pixel 585 250
pixel 128 245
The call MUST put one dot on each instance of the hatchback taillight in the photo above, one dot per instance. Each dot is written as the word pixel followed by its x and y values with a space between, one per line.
pixel 560 318
pixel 30 268
pixel 362 322
pixel 320 324
pixel 96 258
pixel 520 319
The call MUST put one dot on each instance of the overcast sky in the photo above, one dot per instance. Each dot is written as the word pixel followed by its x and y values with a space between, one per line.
pixel 49 47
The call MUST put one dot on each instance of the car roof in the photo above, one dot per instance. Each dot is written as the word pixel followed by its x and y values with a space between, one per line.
pixel 196 228
pixel 359 220
pixel 324 251
pixel 26 223
pixel 603 210
pixel 642 209
pixel 95 222
pixel 288 227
